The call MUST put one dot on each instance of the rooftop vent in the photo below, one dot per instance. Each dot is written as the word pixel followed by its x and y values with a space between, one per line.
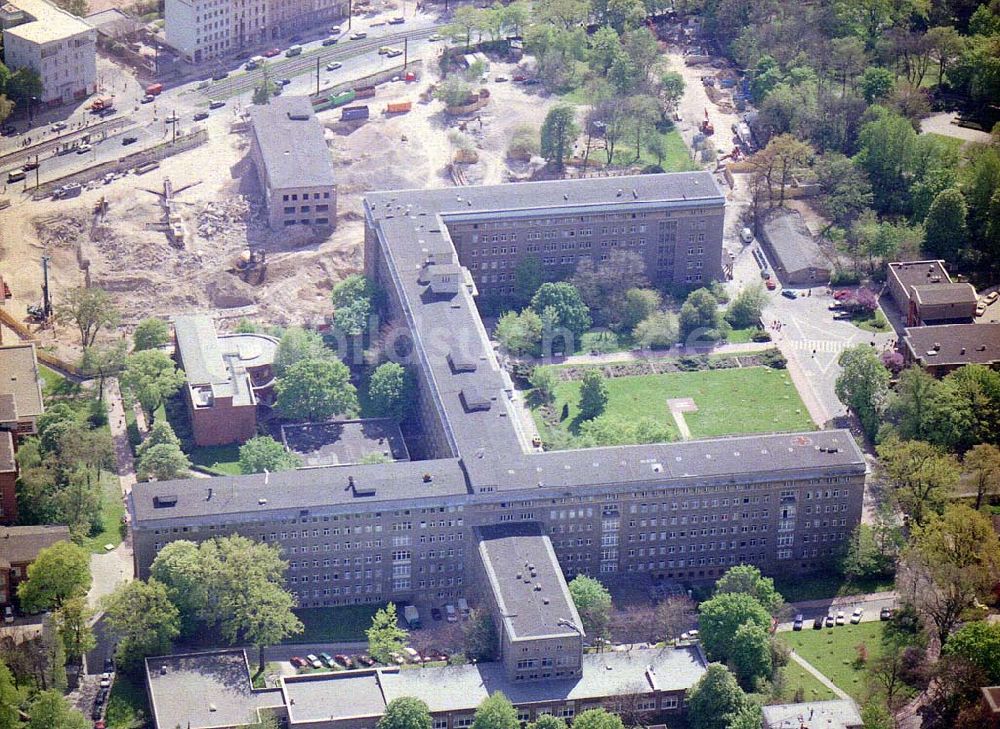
pixel 545 601
pixel 519 575
pixel 962 351
pixel 619 193
pixel 161 502
pixel 211 707
pixel 163 670
pixel 657 467
pixel 635 194
pixel 538 587
pixel 428 478
pixel 981 348
pixel 261 501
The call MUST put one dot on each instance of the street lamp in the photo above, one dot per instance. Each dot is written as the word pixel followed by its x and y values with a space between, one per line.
pixel 31 109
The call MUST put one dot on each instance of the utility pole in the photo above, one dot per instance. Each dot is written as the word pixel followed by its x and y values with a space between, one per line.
pixel 317 75
pixel 350 12
pixel 36 171
pixel 406 50
pixel 46 300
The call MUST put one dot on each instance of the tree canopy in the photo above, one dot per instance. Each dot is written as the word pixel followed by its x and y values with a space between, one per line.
pixel 722 616
pixel 263 453
pixel 567 308
pixel 495 712
pixel 385 637
pixel 151 376
pixel 390 391
pixel 406 712
pixel 315 389
pixel 747 579
pixel 58 574
pixel 144 619
pixel 151 334
pixel 593 603
pixel 715 700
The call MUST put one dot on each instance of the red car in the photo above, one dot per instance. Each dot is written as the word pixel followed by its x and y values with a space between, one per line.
pixel 298 661
pixel 272 53
pixel 344 661
pixel 769 283
pixel 841 294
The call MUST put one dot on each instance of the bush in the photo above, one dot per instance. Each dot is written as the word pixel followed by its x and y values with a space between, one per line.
pixel 760 335
pixel 524 143
pixel 843 277
pixel 774 359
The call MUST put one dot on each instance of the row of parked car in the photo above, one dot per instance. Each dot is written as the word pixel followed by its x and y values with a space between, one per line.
pixel 342 661
pixel 830 620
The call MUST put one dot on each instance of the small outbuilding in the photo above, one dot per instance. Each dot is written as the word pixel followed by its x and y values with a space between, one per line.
pixel 793 251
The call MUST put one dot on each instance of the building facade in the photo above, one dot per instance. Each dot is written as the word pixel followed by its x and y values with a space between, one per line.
pixel 925 294
pixel 203 30
pixel 20 405
pixel 293 164
pixel 59 46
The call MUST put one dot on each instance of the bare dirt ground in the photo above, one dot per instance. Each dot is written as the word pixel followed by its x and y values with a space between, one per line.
pixel 219 201
pixel 944 124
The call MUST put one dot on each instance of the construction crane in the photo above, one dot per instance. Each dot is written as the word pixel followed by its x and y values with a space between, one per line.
pixel 250 264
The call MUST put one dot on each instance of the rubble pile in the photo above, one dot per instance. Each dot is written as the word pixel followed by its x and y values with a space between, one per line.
pixel 226 216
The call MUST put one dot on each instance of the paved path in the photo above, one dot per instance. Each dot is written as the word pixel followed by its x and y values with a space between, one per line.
pixel 819 676
pixel 119 435
pixel 647 354
pixel 872 604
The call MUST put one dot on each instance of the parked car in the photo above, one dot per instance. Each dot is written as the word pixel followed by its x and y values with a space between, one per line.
pixel 271 52
pixel 83 148
pixel 102 696
pixel 435 37
pixel 797 624
pixel 885 614
pixel 105 680
pixel 328 660
pixel 991 297
pixel 96 712
pixel 501 79
pixel 397 659
pixel 365 660
pixel 856 616
pixel 449 611
pixel 109 665
pixel 746 235
pixel 393 53
pixel 99 724
pixel 334 30
pixel 29 166
pixel 841 618
pixel 398 20
pixel 359 35
pixel 8 614
pixel 59 126
pixel 981 308
pixel 201 115
pixel 333 66
pixel 329 42
pixel 830 621
pixel 818 622
pixel 298 661
pixel 216 104
pixel 147 99
pixel 129 140
pixel 788 294
pixel 412 654
pixel 463 607
pixel 343 660
pixel 252 64
pixel 769 284
pixel 842 294
pixel 285 81
pixel 436 613
pixel 313 661
pixel 219 75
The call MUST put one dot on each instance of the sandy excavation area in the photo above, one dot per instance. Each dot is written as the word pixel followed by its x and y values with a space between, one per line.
pixel 217 197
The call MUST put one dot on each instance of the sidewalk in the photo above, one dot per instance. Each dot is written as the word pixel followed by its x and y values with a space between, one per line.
pixel 647 355
pixel 119 436
pixel 819 676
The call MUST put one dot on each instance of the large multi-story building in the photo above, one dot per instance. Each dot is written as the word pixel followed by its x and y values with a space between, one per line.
pixel 202 30
pixel 293 164
pixel 407 530
pixel 59 46
pixel 20 405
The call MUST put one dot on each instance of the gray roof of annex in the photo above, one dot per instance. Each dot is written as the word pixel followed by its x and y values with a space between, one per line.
pixel 292 144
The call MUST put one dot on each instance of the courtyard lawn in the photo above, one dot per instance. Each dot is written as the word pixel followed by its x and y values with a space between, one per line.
pixel 824 585
pixel 128 706
pixel 729 401
pixel 112 512
pixel 334 624
pixel 796 677
pixel 219 460
pixel 834 652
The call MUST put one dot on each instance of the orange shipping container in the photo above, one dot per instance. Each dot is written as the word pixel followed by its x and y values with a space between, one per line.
pixel 400 107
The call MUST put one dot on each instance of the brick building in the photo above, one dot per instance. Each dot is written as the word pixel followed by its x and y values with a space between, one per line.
pixel 20 406
pixel 946 347
pixel 293 163
pixel 227 377
pixel 18 548
pixel 925 294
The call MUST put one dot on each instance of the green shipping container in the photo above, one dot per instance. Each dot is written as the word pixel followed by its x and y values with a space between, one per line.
pixel 345 98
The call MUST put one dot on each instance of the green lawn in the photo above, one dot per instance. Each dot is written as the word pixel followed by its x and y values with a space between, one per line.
pixel 127 704
pixel 332 624
pixel 730 401
pixel 825 585
pixel 220 460
pixel 677 159
pixel 741 336
pixel 604 341
pixel 797 678
pixel 833 651
pixel 112 511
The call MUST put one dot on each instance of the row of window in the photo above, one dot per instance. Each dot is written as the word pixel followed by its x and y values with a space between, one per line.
pixel 305 196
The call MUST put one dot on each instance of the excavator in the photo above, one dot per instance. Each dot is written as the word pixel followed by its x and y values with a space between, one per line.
pixel 251 263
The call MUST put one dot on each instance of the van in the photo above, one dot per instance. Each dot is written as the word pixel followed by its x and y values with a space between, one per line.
pixel 16 176
pixel 463 607
pixel 293 51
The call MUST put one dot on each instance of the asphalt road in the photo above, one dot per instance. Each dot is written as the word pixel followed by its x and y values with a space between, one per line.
pixel 811 609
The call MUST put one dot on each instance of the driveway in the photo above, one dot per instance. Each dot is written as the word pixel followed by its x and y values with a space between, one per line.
pixel 810 609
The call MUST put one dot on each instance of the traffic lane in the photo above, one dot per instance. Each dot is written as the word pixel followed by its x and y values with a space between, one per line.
pixel 353 68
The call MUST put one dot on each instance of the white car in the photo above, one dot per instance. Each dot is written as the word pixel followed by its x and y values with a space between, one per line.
pixel 841 618
pixel 450 614
pixel 991 297
pixel 314 661
pixel 8 614
pixel 83 149
pixel 463 607
pixel 856 616
pixel 333 66
pixel 411 654
pixel 746 235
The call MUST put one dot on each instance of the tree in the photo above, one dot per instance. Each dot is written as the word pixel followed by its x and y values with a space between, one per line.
pixel 151 377
pixel 102 362
pixel 607 430
pixel 150 334
pixel 721 617
pixel 715 699
pixel 603 285
pixel 184 569
pixel 919 475
pixel 750 654
pixel 496 712
pixel 59 573
pixel 876 84
pixel 597 719
pixel 700 316
pixel 480 637
pixel 874 548
pixel 353 304
pixel 559 131
pixel 53 653
pixel 9 699
pixel 385 637
pixel 593 394
pixel 747 579
pixel 657 331
pixel 520 333
pixel 925 408
pixel 161 433
pixel 887 144
pixel 639 305
pixel 163 462
pixel 547 721
pixel 593 603
pixel 543 383
pixel 746 307
pixel 316 389
pixel 979 643
pixel 49 710
pixel 952 562
pixel 528 276
pixel 675 616
pixel 569 310
pixel 73 622
pixel 982 463
pixel 845 192
pixel 89 310
pixel 453 91
pixel 671 89
pixel 863 385
pixel 945 229
pixel 406 712
pixel 298 344
pixel 144 619
pixel 390 391
pixel 264 453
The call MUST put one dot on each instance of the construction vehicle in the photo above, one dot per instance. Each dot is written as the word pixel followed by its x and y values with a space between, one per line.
pixel 400 107
pixel 706 127
pixel 251 262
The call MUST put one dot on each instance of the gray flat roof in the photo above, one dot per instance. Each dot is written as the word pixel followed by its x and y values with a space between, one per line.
pixel 915 273
pixel 333 696
pixel 839 714
pixel 527 581
pixel 291 143
pixel 202 690
pixel 746 458
pixel 944 293
pixel 20 383
pixel 344 442
pixel 21 544
pixel 791 242
pixel 954 344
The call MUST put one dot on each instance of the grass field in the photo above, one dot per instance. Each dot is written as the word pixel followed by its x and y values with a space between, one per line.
pixel 738 400
pixel 823 585
pixel 796 677
pixel 333 624
pixel 127 704
pixel 220 460
pixel 833 651
pixel 112 511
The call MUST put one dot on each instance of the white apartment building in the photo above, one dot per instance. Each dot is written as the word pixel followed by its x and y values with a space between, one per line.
pixel 61 47
pixel 201 30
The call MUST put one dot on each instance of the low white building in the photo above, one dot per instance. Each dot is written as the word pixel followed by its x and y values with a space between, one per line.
pixel 59 46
